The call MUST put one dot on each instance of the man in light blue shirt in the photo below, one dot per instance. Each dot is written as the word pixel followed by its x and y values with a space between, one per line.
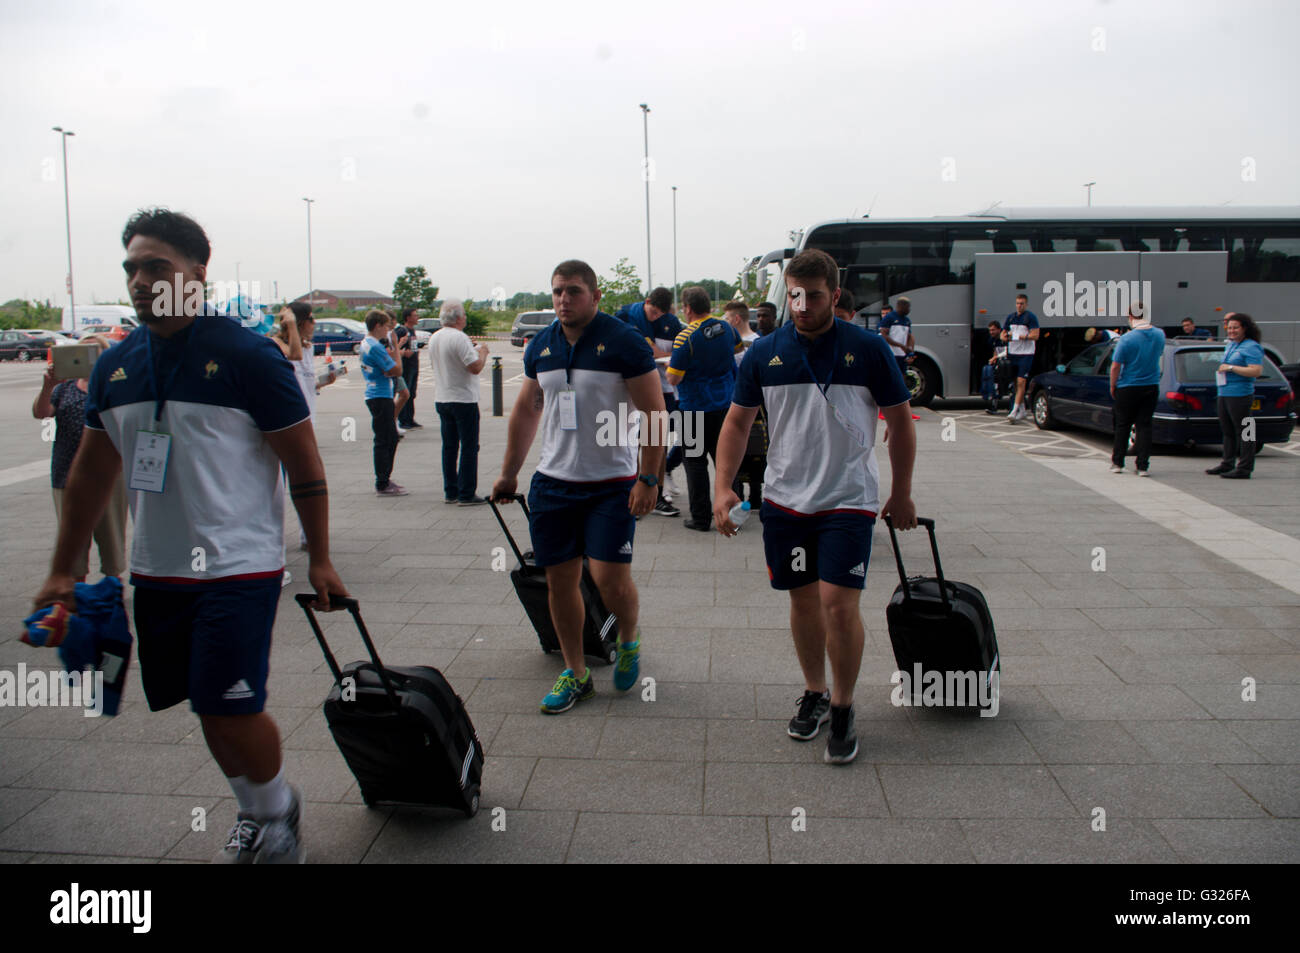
pixel 379 368
pixel 1135 369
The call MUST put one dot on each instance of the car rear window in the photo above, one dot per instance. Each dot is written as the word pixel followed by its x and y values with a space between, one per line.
pixel 536 320
pixel 1198 365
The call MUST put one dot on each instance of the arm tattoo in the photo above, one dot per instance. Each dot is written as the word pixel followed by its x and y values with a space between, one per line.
pixel 300 491
pixel 539 400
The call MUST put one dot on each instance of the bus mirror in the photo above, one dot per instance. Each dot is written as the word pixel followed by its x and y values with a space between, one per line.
pixel 762 282
pixel 744 280
pixel 1060 369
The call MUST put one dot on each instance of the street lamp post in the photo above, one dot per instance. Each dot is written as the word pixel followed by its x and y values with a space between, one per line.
pixel 67 219
pixel 645 174
pixel 311 291
pixel 674 248
pixel 1088 186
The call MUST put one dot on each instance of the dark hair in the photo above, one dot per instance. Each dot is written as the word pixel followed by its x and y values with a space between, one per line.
pixel 1248 325
pixel 375 318
pixel 1185 320
pixel 846 301
pixel 573 268
pixel 767 306
pixel 407 311
pixel 1023 297
pixel 661 298
pixel 301 311
pixel 995 324
pixel 696 300
pixel 814 263
pixel 180 231
pixel 736 306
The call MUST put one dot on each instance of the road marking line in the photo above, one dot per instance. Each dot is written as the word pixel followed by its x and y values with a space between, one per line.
pixel 28 471
pixel 1226 535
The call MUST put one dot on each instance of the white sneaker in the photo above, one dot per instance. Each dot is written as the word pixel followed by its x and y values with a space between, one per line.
pixel 1023 413
pixel 401 431
pixel 288 578
pixel 1115 469
pixel 1145 473
pixel 279 840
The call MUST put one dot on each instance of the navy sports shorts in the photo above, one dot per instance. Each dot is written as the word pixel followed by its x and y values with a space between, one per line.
pixel 212 646
pixel 1024 364
pixel 833 547
pixel 567 520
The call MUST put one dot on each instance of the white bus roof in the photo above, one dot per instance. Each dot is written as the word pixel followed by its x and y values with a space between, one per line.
pixel 1097 213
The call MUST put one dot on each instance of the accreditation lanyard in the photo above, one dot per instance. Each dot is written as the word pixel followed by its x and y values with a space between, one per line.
pixel 854 430
pixel 568 400
pixel 153 447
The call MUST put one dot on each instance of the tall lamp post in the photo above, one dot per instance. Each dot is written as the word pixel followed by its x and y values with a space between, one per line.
pixel 67 218
pixel 645 174
pixel 311 291
pixel 674 248
pixel 1088 186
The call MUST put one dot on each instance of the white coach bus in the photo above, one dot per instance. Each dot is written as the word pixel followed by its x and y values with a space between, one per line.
pixel 1080 268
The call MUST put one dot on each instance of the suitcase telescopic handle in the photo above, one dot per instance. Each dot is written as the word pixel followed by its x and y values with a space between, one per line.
pixel 934 548
pixel 305 599
pixel 518 498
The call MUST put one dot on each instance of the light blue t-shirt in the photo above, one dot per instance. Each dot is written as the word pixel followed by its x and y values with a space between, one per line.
pixel 1141 352
pixel 1241 354
pixel 375 362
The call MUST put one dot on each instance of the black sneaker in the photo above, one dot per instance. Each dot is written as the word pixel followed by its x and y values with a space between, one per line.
pixel 698 527
pixel 412 426
pixel 664 508
pixel 1221 468
pixel 814 711
pixel 843 746
pixel 472 501
pixel 1237 474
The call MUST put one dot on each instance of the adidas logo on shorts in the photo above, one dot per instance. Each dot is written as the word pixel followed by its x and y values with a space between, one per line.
pixel 626 549
pixel 237 691
pixel 858 570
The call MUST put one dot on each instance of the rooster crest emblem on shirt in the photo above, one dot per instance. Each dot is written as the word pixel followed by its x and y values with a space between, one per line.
pixel 210 369
pixel 848 360
pixel 600 349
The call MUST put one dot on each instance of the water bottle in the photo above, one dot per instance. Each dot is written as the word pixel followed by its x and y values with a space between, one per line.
pixel 739 513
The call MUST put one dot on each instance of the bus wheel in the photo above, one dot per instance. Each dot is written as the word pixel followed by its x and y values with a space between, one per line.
pixel 922 379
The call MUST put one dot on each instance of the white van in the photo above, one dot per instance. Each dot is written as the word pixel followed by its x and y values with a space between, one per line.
pixel 92 314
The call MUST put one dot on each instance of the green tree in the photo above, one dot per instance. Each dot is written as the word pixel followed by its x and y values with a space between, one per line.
pixel 413 287
pixel 623 288
pixel 476 322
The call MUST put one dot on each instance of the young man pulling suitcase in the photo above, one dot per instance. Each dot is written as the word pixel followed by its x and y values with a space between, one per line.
pixel 824 383
pixel 588 489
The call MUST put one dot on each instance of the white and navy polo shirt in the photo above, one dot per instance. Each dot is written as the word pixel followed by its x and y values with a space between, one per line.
pixel 224 388
pixel 605 444
pixel 814 464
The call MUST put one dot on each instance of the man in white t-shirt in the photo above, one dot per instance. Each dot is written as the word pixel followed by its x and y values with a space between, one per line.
pixel 456 363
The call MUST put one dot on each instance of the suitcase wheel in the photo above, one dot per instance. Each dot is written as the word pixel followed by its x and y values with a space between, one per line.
pixel 473 807
pixel 611 653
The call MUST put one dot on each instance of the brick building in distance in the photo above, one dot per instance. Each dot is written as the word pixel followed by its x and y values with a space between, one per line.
pixel 323 300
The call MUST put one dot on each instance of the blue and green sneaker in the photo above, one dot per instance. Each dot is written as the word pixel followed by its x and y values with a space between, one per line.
pixel 567 692
pixel 628 665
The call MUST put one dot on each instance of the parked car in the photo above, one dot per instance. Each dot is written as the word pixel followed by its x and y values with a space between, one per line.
pixel 26 345
pixel 1078 394
pixel 114 332
pixel 343 335
pixel 528 323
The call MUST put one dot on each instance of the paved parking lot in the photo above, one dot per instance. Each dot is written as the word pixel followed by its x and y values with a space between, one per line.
pixel 1122 689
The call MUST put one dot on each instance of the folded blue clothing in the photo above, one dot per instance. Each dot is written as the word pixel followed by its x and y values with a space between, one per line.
pixel 96 636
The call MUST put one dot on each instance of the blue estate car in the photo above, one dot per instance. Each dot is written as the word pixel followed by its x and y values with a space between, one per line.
pixel 1078 394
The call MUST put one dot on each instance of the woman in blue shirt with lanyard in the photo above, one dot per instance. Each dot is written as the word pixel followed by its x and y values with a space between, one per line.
pixel 1243 361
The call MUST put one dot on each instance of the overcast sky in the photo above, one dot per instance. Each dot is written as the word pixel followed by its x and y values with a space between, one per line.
pixel 489 142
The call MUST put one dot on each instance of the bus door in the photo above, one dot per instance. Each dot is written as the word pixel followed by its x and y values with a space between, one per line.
pixel 869 291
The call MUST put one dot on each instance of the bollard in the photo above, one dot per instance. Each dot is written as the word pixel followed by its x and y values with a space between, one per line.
pixel 496 387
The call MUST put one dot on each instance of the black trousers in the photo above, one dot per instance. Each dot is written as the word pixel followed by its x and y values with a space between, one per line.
pixel 697 463
pixel 1133 408
pixel 410 374
pixel 384 426
pixel 1233 412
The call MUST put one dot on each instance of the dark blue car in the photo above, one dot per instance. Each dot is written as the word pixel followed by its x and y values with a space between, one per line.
pixel 343 335
pixel 1078 394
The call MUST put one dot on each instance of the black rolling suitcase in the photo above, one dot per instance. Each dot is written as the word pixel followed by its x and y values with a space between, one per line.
pixel 944 627
pixel 403 731
pixel 600 629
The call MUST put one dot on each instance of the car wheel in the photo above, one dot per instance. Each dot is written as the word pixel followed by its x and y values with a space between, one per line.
pixel 24 356
pixel 1043 411
pixel 922 379
pixel 356 348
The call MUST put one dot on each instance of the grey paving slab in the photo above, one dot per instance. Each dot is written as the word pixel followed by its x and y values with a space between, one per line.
pixel 1119 702
pixel 1034 841
pixel 116 766
pixel 15 802
pixel 51 724
pixel 15 856
pixel 87 859
pixel 1276 741
pixel 1203 841
pixel 1083 742
pixel 973 791
pixel 1175 669
pixel 653 739
pixel 668 839
pixel 20 756
pixel 553 736
pixel 1282 669
pixel 321 775
pixel 777 789
pixel 976 741
pixel 119 825
pixel 1184 742
pixel 761 741
pixel 637 787
pixel 1224 700
pixel 1276 787
pixel 836 840
pixel 688 700
pixel 524 696
pixel 331 833
pixel 522 837
pixel 1058 669
pixel 1162 790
